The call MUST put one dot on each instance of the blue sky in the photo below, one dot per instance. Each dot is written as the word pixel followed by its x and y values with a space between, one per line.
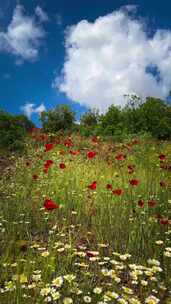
pixel 101 64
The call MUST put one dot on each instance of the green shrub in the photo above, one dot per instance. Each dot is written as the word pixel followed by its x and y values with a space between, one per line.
pixel 13 130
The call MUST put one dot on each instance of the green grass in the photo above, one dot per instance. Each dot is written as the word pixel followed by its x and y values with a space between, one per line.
pixel 101 239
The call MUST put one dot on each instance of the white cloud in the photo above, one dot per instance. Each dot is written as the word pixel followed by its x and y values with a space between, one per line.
pixel 40 109
pixel 29 109
pixel 23 36
pixel 113 56
pixel 41 14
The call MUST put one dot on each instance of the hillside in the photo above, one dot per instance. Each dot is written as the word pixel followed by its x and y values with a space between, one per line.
pixel 85 220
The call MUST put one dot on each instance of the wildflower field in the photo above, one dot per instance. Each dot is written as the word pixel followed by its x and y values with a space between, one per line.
pixel 86 221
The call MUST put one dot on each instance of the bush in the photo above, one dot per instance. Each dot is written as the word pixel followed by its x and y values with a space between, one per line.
pixel 13 130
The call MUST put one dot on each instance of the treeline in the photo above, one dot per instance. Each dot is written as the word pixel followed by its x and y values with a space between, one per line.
pixel 152 117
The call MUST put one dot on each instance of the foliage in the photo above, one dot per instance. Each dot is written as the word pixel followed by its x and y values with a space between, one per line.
pixel 155 117
pixel 60 118
pixel 152 116
pixel 13 130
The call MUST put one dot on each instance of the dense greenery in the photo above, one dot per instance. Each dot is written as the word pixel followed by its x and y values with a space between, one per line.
pixel 152 116
pixel 13 129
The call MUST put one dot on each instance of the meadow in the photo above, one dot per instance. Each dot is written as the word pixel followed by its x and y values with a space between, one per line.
pixel 83 220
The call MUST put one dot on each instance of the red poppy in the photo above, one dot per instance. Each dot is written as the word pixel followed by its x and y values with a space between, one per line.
pixel 49 147
pixel 164 221
pixel 162 157
pixel 50 205
pixel 35 177
pixel 109 186
pixel 47 164
pixel 152 203
pixel 120 157
pixel 141 203
pixel 130 169
pixel 134 182
pixel 93 185
pixel 95 139
pixel 62 166
pixel 117 191
pixel 91 154
pixel 68 143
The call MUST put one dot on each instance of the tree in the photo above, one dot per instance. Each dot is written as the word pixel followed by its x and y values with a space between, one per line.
pixel 156 117
pixel 60 118
pixel 90 118
pixel 111 121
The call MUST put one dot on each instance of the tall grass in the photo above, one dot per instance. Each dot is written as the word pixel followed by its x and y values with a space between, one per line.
pixel 98 246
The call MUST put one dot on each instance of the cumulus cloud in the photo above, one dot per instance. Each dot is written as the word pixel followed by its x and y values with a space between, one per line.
pixel 23 36
pixel 30 108
pixel 41 14
pixel 114 56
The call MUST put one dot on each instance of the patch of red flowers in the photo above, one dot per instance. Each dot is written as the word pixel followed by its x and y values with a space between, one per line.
pixel 134 182
pixel 93 186
pixel 47 165
pixel 62 166
pixel 120 157
pixel 162 157
pixel 68 143
pixel 152 203
pixel 35 177
pixel 164 221
pixel 50 204
pixel 49 147
pixel 91 154
pixel 117 191
pixel 141 203
pixel 95 139
pixel 130 169
pixel 109 186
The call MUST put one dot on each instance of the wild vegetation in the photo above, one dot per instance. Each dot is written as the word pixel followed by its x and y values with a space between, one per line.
pixel 85 220
pixel 85 211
